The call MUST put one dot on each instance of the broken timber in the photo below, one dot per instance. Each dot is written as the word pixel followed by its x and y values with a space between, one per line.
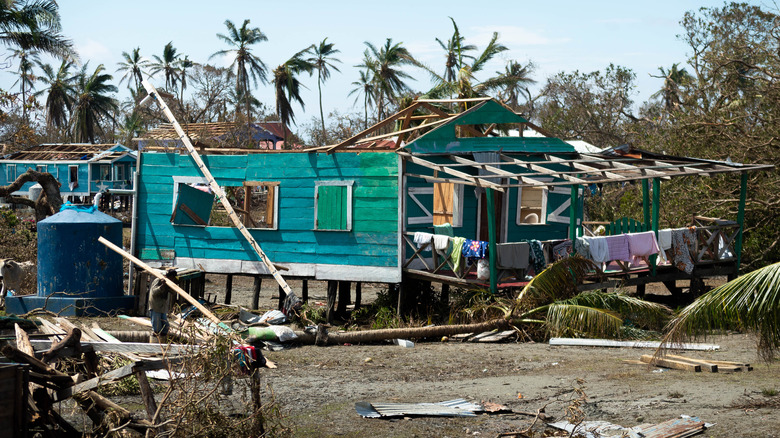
pixel 217 189
pixel 206 312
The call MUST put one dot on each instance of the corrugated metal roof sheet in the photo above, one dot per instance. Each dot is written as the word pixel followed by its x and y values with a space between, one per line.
pixel 451 408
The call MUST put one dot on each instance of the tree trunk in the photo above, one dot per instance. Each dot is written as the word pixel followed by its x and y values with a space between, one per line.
pixel 50 201
pixel 405 333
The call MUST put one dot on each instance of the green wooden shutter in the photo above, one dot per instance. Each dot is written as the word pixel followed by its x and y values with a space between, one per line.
pixel 332 207
pixel 193 206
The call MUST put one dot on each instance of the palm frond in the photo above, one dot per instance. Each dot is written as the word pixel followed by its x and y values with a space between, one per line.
pixel 750 302
pixel 559 281
pixel 633 310
pixel 576 320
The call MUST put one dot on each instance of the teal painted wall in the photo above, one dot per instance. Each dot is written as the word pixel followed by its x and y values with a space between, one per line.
pixel 59 170
pixel 372 241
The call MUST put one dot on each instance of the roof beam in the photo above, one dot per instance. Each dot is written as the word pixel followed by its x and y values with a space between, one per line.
pixel 498 171
pixel 441 168
pixel 543 170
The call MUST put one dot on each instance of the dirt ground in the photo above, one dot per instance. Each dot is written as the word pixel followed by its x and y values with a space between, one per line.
pixel 317 387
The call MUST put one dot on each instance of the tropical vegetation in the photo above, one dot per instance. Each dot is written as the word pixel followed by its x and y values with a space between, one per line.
pixel 719 104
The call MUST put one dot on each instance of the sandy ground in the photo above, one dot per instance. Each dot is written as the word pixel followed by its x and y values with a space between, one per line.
pixel 318 387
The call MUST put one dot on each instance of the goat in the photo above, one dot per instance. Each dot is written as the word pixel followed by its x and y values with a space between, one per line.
pixel 12 274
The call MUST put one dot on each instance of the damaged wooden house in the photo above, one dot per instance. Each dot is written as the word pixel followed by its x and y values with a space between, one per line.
pixel 356 211
pixel 83 170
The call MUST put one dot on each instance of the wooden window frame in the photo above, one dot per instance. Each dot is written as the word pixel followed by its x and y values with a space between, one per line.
pixel 271 185
pixel 70 175
pixel 543 215
pixel 9 172
pixel 349 184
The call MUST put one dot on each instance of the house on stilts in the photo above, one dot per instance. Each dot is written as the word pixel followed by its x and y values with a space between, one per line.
pixel 369 208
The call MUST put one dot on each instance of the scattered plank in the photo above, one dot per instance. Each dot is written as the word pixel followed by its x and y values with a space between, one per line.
pixel 127 347
pixel 630 344
pixel 23 341
pixel 721 365
pixel 497 337
pixel 113 376
pixel 671 363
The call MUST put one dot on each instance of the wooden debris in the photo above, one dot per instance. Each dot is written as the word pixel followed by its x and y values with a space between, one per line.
pixel 691 364
pixel 671 363
pixel 23 341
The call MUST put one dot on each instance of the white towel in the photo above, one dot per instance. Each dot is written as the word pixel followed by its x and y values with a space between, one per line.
pixel 599 251
pixel 665 238
pixel 422 239
pixel 441 241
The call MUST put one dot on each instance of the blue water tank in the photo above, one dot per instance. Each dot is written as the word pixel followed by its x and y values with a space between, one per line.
pixel 72 262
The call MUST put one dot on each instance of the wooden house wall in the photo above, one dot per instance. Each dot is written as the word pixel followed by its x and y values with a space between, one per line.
pixel 60 171
pixel 557 202
pixel 369 252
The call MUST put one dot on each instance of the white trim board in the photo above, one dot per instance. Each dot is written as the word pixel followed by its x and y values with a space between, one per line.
pixel 369 274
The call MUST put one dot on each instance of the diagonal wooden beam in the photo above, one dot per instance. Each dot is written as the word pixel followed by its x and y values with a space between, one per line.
pixel 357 137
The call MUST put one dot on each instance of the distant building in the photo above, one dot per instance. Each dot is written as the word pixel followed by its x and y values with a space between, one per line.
pixel 217 137
pixel 82 169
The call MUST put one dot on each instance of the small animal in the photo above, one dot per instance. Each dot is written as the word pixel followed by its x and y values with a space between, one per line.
pixel 12 274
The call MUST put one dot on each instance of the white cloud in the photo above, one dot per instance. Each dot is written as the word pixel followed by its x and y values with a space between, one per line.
pixel 94 51
pixel 512 36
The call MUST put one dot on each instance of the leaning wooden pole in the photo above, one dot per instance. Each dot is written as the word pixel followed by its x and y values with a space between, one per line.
pixel 206 312
pixel 217 189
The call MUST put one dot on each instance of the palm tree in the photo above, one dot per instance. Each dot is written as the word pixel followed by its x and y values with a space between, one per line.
pixel 59 92
pixel 456 52
pixel 552 300
pixel 92 104
pixel 322 61
pixel 26 79
pixel 184 64
pixel 288 87
pixel 512 82
pixel 674 78
pixel 385 69
pixel 133 66
pixel 465 84
pixel 750 302
pixel 246 64
pixel 167 65
pixel 33 26
pixel 366 87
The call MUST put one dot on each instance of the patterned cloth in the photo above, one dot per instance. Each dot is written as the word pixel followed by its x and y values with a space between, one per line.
pixel 248 357
pixel 562 250
pixel 618 248
pixel 474 249
pixel 582 247
pixel 537 256
pixel 682 239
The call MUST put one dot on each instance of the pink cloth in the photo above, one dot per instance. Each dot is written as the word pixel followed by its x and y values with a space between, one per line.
pixel 642 244
pixel 618 247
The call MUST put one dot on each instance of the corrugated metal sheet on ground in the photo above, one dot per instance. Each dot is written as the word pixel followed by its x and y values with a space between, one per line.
pixel 452 408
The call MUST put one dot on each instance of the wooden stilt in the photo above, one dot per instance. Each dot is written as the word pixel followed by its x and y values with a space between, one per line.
pixel 358 294
pixel 281 298
pixel 305 290
pixel 345 293
pixel 400 308
pixel 256 286
pixel 445 294
pixel 228 288
pixel 332 287
pixel 146 394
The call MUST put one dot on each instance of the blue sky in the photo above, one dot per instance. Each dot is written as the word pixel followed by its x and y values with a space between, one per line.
pixel 556 36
